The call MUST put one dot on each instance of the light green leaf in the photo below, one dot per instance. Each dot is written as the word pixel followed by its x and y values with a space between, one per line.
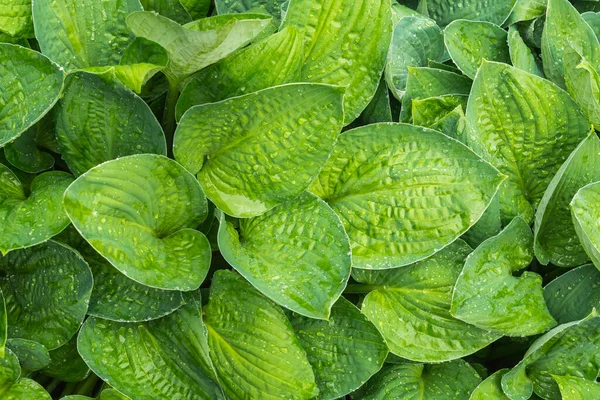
pixel 564 29
pixel 593 20
pixel 488 225
pixel 172 9
pixel 428 112
pixel 488 296
pixel 555 237
pixel 253 346
pixel 24 152
pixel 80 34
pixel 198 44
pixel 470 42
pixel 297 254
pixel 121 124
pixel 66 364
pixel 117 297
pixel 196 8
pixel 31 213
pixel 576 388
pixel 162 359
pixel 526 10
pixel 423 83
pixel 585 213
pixel 453 124
pixel 345 43
pixel 446 11
pixel 270 147
pixel 246 71
pixel 140 62
pixel 504 111
pixel 521 56
pixel 12 387
pixel 574 294
pixel 112 394
pixel 403 192
pixel 491 387
pixel 32 355
pixel 31 84
pixel 344 352
pixel 139 213
pixel 47 289
pixel 15 18
pixel 583 83
pixel 415 40
pixel 452 380
pixel 411 308
pixel 568 349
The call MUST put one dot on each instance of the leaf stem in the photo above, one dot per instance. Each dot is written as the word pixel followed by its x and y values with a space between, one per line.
pixel 87 387
pixel 52 385
pixel 360 288
pixel 168 120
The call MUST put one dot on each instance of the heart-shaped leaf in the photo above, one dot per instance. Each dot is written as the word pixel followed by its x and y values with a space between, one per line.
pixel 345 43
pixel 31 213
pixel 244 71
pixel 47 289
pixel 470 42
pixel 452 380
pixel 13 387
pixel 411 308
pixel 80 34
pixel 392 185
pixel 267 151
pixel 121 123
pixel 344 351
pixel 491 387
pixel 139 213
pixel 252 344
pixel 31 84
pixel 32 355
pixel 297 254
pixel 504 110
pixel 164 358
pixel 488 296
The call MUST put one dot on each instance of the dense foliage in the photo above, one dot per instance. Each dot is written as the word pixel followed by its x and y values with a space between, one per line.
pixel 301 199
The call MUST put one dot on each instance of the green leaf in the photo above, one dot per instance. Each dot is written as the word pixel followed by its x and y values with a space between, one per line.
pixel 47 289
pixel 566 28
pixel 162 359
pixel 415 41
pixel 112 394
pixel 403 192
pixel 576 388
pixel 574 294
pixel 555 237
pixel 172 9
pixel 453 124
pixel 31 213
pixel 66 364
pixel 504 111
pixel 344 351
pixel 345 43
pixel 379 109
pixel 569 349
pixel 423 83
pixel 253 346
pixel 487 294
pixel 585 213
pixel 121 124
pixel 270 147
pixel 24 152
pixel 245 72
pixel 471 42
pixel 488 225
pixel 140 62
pixel 139 213
pixel 196 8
pixel 583 83
pixel 297 254
pixel 428 112
pixel 526 10
pixel 3 324
pixel 15 18
pixel 31 84
pixel 411 308
pixel 452 380
pixel 521 56
pixel 117 297
pixel 32 355
pixel 491 387
pixel 12 387
pixel 198 44
pixel 272 7
pixel 593 20
pixel 80 34
pixel 446 11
